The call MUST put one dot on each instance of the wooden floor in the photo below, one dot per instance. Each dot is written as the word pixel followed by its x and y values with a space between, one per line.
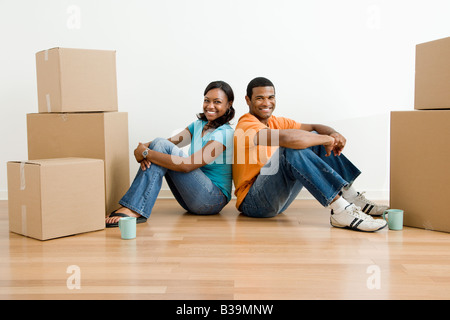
pixel 296 255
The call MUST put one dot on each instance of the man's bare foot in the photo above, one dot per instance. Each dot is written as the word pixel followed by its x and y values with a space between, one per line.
pixel 124 210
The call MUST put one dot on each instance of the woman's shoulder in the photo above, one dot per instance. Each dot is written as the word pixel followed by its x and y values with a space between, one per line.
pixel 225 126
pixel 196 124
pixel 225 129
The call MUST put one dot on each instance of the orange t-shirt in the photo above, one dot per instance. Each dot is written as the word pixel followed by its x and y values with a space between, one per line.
pixel 250 158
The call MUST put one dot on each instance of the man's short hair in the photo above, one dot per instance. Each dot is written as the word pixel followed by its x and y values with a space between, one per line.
pixel 258 82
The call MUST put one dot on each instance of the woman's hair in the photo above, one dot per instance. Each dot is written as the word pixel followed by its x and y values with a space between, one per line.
pixel 229 114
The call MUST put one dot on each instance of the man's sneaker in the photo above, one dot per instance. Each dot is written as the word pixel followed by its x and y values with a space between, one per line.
pixel 353 218
pixel 368 206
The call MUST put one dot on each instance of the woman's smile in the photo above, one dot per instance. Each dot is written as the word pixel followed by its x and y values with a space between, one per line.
pixel 215 104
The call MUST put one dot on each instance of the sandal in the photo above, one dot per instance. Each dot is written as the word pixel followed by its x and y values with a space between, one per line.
pixel 141 219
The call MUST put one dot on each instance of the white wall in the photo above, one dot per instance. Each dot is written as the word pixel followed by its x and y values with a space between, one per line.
pixel 344 63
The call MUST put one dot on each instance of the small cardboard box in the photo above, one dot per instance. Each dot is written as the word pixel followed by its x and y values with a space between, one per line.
pixel 56 197
pixel 76 80
pixel 98 135
pixel 420 167
pixel 432 84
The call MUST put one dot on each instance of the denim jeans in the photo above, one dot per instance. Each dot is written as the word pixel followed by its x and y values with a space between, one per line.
pixel 288 170
pixel 194 191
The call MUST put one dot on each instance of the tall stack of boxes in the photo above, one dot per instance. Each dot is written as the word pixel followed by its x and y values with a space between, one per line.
pixel 420 139
pixel 78 121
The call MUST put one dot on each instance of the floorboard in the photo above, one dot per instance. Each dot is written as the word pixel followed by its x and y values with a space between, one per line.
pixel 177 256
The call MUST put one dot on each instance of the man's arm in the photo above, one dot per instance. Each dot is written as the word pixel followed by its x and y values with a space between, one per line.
pixel 340 141
pixel 294 139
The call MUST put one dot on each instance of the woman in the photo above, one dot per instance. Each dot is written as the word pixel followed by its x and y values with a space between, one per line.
pixel 201 182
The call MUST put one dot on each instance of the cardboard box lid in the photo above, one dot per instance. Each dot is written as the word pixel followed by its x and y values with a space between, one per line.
pixel 63 48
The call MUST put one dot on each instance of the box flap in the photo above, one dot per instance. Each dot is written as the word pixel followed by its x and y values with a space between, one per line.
pixel 47 50
pixel 56 161
pixel 25 162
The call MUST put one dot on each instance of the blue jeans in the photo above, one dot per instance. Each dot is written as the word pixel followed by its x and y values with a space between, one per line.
pixel 194 191
pixel 288 170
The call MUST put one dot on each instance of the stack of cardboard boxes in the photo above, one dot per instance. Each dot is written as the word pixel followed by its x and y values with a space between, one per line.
pixel 420 139
pixel 78 126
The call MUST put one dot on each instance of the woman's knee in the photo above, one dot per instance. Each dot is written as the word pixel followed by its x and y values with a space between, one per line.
pixel 161 145
pixel 204 209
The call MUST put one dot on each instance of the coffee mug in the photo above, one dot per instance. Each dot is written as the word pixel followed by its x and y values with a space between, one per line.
pixel 395 218
pixel 127 227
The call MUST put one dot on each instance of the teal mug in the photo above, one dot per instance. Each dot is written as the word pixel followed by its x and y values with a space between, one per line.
pixel 127 227
pixel 394 219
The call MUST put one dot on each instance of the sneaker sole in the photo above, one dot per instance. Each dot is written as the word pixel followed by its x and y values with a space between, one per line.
pixel 354 228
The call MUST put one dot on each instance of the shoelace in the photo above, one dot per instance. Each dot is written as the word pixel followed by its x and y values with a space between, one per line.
pixel 363 198
pixel 356 211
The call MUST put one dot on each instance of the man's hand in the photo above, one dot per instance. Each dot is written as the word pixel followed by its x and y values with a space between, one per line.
pixel 339 140
pixel 339 143
pixel 329 146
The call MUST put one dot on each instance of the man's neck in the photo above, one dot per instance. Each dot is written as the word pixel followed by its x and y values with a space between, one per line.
pixel 263 121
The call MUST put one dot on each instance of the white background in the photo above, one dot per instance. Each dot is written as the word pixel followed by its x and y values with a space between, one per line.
pixel 344 63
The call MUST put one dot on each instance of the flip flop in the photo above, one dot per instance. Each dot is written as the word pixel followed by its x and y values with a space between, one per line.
pixel 141 219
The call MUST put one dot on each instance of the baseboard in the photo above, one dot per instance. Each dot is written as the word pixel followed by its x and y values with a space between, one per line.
pixel 304 194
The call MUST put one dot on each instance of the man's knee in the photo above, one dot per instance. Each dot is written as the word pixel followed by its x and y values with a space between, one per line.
pixel 298 153
pixel 260 214
pixel 257 212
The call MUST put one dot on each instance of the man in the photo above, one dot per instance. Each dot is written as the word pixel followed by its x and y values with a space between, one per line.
pixel 274 157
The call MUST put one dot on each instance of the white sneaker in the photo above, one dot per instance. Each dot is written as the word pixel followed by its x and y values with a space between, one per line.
pixel 367 206
pixel 353 218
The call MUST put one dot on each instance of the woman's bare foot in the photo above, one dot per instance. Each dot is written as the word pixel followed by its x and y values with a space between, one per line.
pixel 124 210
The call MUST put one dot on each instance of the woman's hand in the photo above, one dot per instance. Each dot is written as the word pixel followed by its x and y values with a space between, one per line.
pixel 145 164
pixel 138 151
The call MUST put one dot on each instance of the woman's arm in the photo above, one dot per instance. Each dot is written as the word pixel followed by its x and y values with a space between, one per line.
pixel 181 140
pixel 206 155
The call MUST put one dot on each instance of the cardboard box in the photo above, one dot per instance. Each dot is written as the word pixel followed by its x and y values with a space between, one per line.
pixel 55 198
pixel 432 86
pixel 420 167
pixel 76 80
pixel 102 135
